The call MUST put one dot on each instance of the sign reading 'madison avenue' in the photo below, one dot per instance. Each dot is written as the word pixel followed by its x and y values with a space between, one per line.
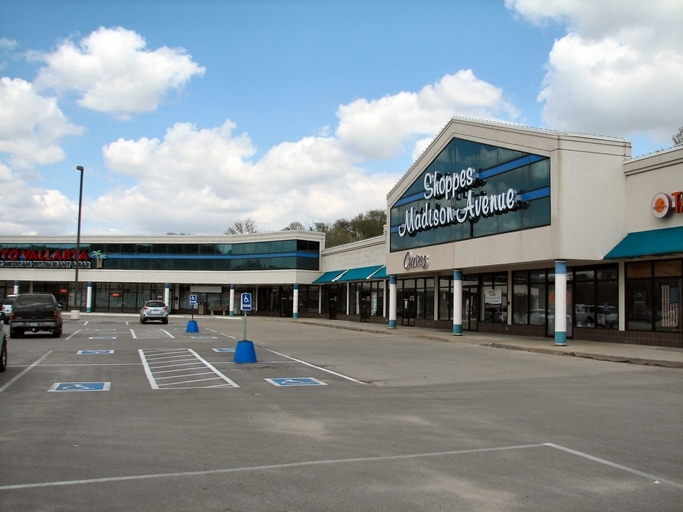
pixel 451 187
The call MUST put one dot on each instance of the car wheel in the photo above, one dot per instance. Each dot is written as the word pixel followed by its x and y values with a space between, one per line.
pixel 57 333
pixel 142 320
pixel 3 356
pixel 164 321
pixel 14 333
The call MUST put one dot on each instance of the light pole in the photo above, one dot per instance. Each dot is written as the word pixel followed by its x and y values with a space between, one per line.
pixel 78 233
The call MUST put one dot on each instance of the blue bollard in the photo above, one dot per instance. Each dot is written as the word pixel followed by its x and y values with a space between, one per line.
pixel 192 326
pixel 244 352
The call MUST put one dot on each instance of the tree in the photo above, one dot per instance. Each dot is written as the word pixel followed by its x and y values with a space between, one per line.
pixel 295 226
pixel 318 227
pixel 242 227
pixel 361 227
pixel 678 138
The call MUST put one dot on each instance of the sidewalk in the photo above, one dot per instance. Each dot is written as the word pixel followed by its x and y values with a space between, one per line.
pixel 616 352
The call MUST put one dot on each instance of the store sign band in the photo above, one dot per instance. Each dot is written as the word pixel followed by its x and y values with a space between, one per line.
pixel 450 187
pixel 415 261
pixel 30 258
pixel 663 204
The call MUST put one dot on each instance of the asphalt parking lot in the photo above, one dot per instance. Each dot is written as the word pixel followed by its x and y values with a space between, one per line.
pixel 116 415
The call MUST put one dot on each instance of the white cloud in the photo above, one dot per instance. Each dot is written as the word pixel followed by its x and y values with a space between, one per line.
pixel 7 44
pixel 31 126
pixel 114 72
pixel 27 210
pixel 201 181
pixel 619 69
pixel 380 129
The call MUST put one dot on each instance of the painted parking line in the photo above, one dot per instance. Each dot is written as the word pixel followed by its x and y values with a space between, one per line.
pixel 332 462
pixel 223 349
pixel 296 381
pixel 102 338
pixel 80 386
pixel 94 352
pixel 181 368
pixel 317 367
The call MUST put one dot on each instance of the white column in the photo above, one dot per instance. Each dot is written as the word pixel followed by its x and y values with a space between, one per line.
pixel 88 298
pixel 392 302
pixel 560 303
pixel 295 306
pixel 457 302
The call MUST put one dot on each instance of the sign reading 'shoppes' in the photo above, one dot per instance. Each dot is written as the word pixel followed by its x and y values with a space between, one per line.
pixel 451 187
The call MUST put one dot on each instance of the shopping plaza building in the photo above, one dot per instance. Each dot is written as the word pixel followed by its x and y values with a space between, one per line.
pixel 495 228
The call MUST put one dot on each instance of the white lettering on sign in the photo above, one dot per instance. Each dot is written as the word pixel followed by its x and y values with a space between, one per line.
pixel 476 206
pixel 414 261
pixel 438 185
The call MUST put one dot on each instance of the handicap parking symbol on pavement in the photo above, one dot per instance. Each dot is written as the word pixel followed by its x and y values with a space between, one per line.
pixel 80 386
pixel 102 338
pixel 296 381
pixel 89 352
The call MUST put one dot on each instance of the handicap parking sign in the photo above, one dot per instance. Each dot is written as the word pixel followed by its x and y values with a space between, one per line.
pixel 246 301
pixel 193 300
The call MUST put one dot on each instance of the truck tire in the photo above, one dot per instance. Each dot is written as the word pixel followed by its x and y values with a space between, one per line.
pixel 14 333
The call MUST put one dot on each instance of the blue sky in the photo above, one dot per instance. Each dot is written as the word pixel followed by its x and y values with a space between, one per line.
pixel 191 115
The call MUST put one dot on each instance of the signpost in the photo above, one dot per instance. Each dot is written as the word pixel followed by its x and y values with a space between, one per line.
pixel 192 324
pixel 246 306
pixel 244 352
pixel 193 303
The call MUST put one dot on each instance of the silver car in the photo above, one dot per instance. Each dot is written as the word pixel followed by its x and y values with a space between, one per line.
pixel 154 310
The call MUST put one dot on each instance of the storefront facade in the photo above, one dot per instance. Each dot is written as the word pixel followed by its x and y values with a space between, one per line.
pixel 495 228
pixel 118 274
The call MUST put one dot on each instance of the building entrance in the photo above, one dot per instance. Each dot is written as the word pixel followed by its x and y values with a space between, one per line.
pixel 470 308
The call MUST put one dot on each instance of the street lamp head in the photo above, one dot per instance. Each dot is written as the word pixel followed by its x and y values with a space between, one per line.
pixel 79 168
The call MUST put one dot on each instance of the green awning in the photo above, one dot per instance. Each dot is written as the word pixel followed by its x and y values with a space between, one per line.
pixel 657 242
pixel 329 277
pixel 359 274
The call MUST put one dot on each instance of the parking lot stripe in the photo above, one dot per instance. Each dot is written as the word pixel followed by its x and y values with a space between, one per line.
pixel 317 367
pixel 331 462
pixel 184 363
pixel 3 388
pixel 267 467
pixel 613 465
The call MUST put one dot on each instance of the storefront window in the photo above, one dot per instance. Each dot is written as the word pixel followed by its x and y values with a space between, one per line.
pixel 639 304
pixel 537 297
pixel 596 297
pixel 494 291
pixel 445 298
pixel 653 292
pixel 416 298
pixel 520 305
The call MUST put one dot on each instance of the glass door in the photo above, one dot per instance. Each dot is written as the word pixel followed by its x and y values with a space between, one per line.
pixel 470 308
